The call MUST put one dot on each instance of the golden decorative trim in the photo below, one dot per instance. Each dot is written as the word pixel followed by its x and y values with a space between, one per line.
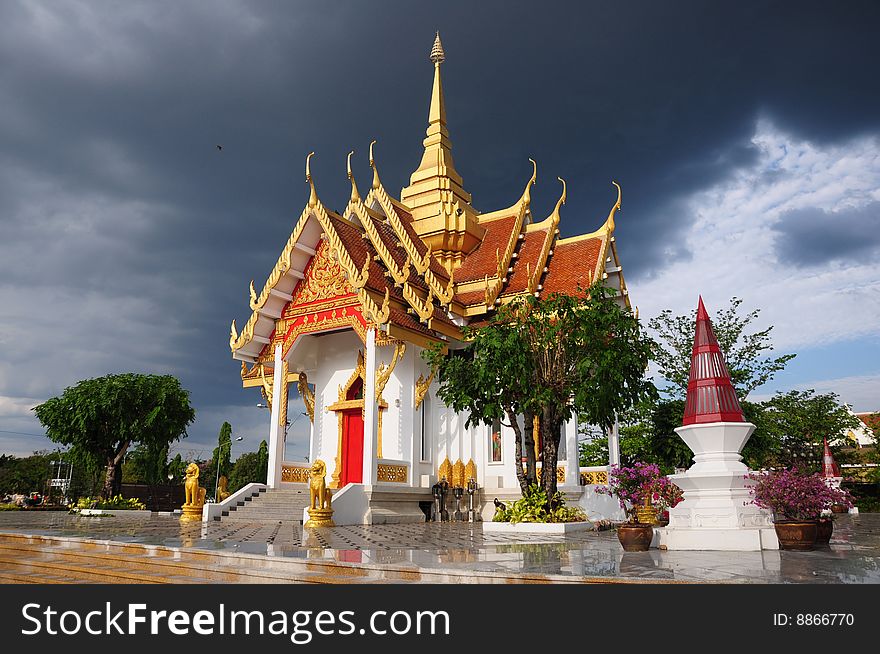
pixel 560 474
pixel 424 308
pixel 282 402
pixel 324 279
pixel 458 477
pixel 307 395
pixel 445 471
pixel 383 374
pixel 295 474
pixel 391 473
pixel 349 317
pixel 399 275
pixel 422 386
pixel 470 471
pixel 266 387
pixel 594 477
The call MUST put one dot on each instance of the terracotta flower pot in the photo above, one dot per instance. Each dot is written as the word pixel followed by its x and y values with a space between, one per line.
pixel 824 531
pixel 635 537
pixel 797 535
pixel 838 508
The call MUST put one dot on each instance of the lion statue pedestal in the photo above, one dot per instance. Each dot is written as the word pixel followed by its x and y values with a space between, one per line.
pixel 195 496
pixel 320 509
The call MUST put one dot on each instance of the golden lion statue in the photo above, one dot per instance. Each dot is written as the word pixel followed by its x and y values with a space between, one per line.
pixel 222 491
pixel 195 494
pixel 319 494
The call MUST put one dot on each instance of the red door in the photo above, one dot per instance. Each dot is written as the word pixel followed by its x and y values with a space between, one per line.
pixel 352 448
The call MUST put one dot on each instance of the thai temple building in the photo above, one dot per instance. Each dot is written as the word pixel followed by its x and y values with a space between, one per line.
pixel 355 297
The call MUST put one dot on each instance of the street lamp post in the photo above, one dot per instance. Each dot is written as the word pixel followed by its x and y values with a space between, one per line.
pixel 219 456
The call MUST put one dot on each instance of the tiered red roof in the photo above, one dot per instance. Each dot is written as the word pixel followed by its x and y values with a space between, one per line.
pixel 710 393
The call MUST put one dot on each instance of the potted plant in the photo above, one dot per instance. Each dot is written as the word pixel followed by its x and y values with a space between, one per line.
pixel 634 486
pixel 797 501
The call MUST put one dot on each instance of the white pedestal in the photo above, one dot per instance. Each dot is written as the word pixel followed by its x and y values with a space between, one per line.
pixel 715 513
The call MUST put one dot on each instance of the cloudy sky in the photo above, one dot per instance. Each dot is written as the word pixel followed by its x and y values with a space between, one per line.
pixel 746 136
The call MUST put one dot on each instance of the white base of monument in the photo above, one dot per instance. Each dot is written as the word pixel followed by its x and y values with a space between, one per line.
pixel 746 539
pixel 716 513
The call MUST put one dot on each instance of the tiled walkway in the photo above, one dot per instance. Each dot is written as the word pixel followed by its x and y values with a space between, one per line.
pixel 853 556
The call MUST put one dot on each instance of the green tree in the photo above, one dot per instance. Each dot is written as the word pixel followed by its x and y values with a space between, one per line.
pixel 177 469
pixel 24 475
pixel 250 468
pixel 553 357
pixel 102 417
pixel 799 421
pixel 746 354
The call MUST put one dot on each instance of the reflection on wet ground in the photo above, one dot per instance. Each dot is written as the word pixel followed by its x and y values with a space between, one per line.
pixel 852 557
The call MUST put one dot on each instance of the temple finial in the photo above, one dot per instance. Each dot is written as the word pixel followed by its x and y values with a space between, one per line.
pixel 313 196
pixel 355 196
pixel 376 182
pixel 437 54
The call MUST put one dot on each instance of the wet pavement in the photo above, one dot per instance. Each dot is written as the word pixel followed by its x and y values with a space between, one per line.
pixel 852 557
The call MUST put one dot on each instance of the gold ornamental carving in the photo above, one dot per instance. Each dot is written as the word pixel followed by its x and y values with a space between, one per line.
pixel 295 474
pixel 391 473
pixel 445 471
pixel 422 386
pixel 458 479
pixel 594 477
pixel 383 374
pixel 307 395
pixel 470 471
pixel 324 279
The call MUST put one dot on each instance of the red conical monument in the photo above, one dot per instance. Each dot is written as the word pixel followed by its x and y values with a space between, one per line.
pixel 830 469
pixel 710 393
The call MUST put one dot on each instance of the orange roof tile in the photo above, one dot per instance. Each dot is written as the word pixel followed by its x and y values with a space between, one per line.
pixel 484 260
pixel 572 264
pixel 525 262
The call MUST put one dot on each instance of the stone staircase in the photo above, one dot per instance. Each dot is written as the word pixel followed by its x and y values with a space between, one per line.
pixel 270 505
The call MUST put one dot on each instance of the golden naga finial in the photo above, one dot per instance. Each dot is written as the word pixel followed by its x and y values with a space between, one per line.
pixel 355 196
pixel 253 293
pixel 313 196
pixel 376 182
pixel 437 54
pixel 561 201
pixel 527 195
pixel 233 335
pixel 423 265
pixel 609 224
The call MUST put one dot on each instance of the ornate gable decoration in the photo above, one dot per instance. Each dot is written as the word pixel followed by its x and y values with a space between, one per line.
pixel 324 279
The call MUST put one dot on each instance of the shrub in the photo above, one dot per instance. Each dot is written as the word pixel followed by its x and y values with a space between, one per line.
pixel 793 495
pixel 532 507
pixel 118 502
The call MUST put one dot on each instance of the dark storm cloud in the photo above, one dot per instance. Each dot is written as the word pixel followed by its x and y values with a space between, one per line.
pixel 119 212
pixel 810 237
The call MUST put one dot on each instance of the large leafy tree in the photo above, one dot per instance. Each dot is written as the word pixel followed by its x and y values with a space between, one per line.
pixel 798 421
pixel 553 358
pixel 101 418
pixel 746 353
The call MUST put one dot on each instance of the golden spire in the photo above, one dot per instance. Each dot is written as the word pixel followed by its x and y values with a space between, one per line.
pixel 355 196
pixel 441 208
pixel 313 196
pixel 437 54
